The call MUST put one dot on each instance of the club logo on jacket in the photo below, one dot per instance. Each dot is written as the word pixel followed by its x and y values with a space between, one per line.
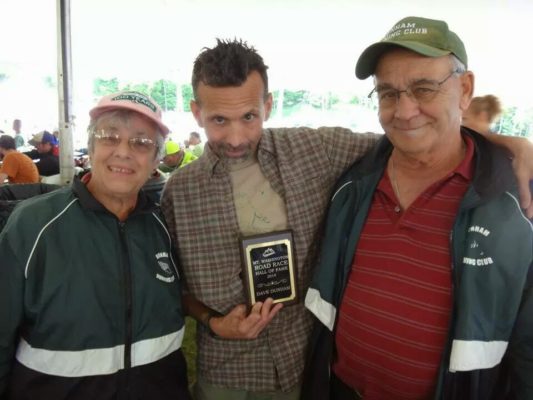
pixel 164 263
pixel 478 257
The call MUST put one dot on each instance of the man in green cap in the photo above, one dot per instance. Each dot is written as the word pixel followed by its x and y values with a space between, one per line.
pixel 175 157
pixel 424 289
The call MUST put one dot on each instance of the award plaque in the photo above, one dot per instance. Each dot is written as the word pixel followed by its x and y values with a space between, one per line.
pixel 269 267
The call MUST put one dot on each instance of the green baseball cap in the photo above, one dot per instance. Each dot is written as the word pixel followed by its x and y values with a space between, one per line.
pixel 429 37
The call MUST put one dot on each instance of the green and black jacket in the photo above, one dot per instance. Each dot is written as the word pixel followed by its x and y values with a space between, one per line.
pixel 90 307
pixel 489 355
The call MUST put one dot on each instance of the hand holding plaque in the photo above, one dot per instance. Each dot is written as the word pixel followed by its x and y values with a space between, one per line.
pixel 269 268
pixel 244 323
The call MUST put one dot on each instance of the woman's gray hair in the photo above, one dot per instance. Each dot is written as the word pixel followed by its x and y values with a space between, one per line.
pixel 123 116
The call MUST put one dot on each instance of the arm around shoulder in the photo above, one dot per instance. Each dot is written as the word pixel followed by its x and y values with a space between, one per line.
pixel 342 147
pixel 521 150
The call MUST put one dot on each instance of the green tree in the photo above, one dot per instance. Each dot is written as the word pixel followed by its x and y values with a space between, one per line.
pixel 103 87
pixel 528 122
pixel 514 121
pixel 275 101
pixel 323 101
pixel 186 92
pixel 292 98
pixel 142 87
pixel 355 100
pixel 506 124
pixel 164 93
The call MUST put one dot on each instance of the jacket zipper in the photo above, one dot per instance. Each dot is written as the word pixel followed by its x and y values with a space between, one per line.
pixel 128 301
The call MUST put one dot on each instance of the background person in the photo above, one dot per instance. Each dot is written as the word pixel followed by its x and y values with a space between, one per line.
pixel 16 167
pixel 175 157
pixel 19 138
pixel 424 288
pixel 196 143
pixel 46 152
pixel 89 290
pixel 482 113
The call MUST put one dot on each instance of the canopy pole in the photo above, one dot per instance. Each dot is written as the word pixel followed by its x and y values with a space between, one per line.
pixel 64 87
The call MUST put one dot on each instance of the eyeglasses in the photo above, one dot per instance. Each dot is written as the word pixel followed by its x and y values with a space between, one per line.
pixel 423 91
pixel 139 144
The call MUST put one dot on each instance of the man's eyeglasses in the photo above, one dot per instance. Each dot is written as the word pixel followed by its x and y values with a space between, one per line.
pixel 141 145
pixel 421 92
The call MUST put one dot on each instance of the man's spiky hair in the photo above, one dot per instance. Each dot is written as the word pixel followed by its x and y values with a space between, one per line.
pixel 227 64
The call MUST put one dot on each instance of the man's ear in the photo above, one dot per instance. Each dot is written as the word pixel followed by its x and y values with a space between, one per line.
pixel 196 111
pixel 268 105
pixel 467 86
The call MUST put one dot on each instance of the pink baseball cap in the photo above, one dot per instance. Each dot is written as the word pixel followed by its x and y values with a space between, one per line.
pixel 134 101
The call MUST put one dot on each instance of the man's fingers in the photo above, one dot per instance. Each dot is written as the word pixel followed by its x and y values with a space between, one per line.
pixel 265 310
pixel 260 316
pixel 239 310
pixel 269 310
pixel 525 195
pixel 275 310
pixel 524 176
pixel 524 190
pixel 239 324
pixel 228 326
pixel 529 211
pixel 256 308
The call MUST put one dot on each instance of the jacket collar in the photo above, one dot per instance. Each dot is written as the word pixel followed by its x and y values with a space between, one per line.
pixel 494 173
pixel 493 170
pixel 88 201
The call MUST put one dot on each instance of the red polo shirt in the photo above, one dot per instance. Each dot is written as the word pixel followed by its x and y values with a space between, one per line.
pixel 394 317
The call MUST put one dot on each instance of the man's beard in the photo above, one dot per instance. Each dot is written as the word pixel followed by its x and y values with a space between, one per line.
pixel 221 149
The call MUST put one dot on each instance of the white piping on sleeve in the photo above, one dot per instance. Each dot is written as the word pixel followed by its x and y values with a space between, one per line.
pixel 520 210
pixel 40 234
pixel 339 189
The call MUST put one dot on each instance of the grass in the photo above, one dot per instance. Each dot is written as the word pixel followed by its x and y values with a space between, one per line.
pixel 189 349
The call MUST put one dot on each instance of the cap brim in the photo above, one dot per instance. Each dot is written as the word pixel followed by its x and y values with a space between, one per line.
pixel 33 142
pixel 96 111
pixel 368 60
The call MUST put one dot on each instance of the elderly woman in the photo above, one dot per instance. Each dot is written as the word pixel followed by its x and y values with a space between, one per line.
pixel 89 290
